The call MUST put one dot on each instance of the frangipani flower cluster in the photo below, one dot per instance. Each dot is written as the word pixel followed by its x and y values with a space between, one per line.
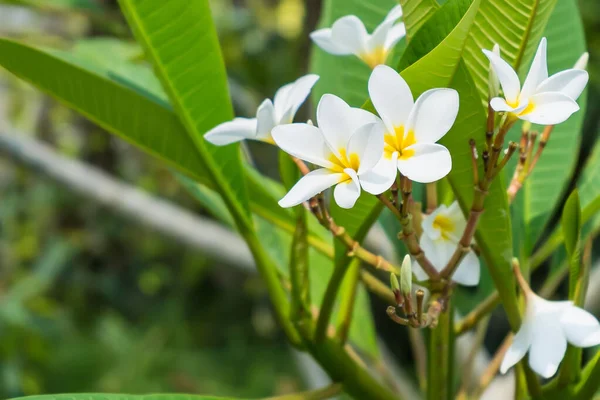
pixel 541 100
pixel 442 230
pixel 348 35
pixel 546 329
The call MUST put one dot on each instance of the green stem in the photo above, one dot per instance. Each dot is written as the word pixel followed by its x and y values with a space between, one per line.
pixel 439 358
pixel 348 299
pixel 299 269
pixel 320 394
pixel 590 380
pixel 328 303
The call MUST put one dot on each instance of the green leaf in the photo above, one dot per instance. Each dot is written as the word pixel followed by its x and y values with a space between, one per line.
pixel 346 76
pixel 571 223
pixel 180 40
pixel 142 120
pixel 544 188
pixel 60 5
pixel 108 396
pixel 415 13
pixel 516 26
pixel 589 192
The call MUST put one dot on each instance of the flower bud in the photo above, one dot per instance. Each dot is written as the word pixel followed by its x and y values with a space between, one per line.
pixel 406 276
pixel 395 285
pixel 493 81
pixel 582 62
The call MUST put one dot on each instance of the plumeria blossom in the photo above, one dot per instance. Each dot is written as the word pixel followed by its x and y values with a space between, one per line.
pixel 412 128
pixel 346 145
pixel 547 327
pixel 442 230
pixel 270 114
pixel 348 35
pixel 541 100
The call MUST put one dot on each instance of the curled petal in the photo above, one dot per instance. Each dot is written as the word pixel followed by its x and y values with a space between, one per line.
pixel 391 96
pixel 433 115
pixel 429 163
pixel 581 328
pixel 538 71
pixel 519 346
pixel 349 32
pixel 367 143
pixel 303 141
pixel 380 34
pixel 232 131
pixel 550 108
pixel 500 105
pixel 394 14
pixel 570 82
pixel 382 176
pixel 506 74
pixel 396 34
pixel 322 38
pixel 468 271
pixel 347 192
pixel 265 115
pixel 290 97
pixel 310 185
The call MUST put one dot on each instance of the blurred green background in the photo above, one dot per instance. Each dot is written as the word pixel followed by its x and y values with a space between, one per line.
pixel 94 301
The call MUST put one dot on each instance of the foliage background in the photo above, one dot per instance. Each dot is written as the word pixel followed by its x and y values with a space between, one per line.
pixel 91 301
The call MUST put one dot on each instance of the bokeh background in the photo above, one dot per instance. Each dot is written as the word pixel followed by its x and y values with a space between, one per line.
pixel 93 299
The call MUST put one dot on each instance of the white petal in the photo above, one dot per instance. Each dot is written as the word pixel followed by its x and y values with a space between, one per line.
pixel 265 115
pixel 570 82
pixel 394 14
pixel 427 223
pixel 454 213
pixel 350 33
pixel 391 96
pixel 347 192
pixel 382 176
pixel 232 131
pixel 507 76
pixel 322 38
pixel 434 253
pixel 337 120
pixel 418 272
pixel 367 143
pixel 537 73
pixel 380 34
pixel 468 271
pixel 430 163
pixel 499 105
pixel 582 61
pixel 519 346
pixel 309 185
pixel 548 345
pixel 289 98
pixel 433 115
pixel 581 328
pixel 303 141
pixel 396 34
pixel 550 108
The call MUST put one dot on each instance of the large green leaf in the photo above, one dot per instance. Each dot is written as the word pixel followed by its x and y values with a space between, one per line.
pixel 145 121
pixel 517 26
pixel 180 40
pixel 544 188
pixel 589 192
pixel 416 13
pixel 108 396
pixel 346 76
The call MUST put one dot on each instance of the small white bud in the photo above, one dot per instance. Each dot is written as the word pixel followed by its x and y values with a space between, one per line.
pixel 406 276
pixel 582 62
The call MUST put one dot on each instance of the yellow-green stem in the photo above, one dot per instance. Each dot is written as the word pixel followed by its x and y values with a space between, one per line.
pixel 347 300
pixel 439 358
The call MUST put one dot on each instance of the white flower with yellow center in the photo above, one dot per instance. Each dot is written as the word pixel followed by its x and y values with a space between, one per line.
pixel 542 100
pixel 412 128
pixel 348 35
pixel 442 230
pixel 546 328
pixel 281 110
pixel 346 145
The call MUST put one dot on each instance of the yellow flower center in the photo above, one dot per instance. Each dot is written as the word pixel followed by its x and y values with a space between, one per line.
pixel 344 161
pixel 444 225
pixel 398 142
pixel 530 107
pixel 375 58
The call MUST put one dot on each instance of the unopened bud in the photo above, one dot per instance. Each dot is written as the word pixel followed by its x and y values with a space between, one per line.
pixel 526 127
pixel 582 62
pixel 493 81
pixel 406 276
pixel 395 285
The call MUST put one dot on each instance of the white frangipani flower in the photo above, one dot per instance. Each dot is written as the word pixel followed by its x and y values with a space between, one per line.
pixel 442 230
pixel 348 35
pixel 546 328
pixel 270 114
pixel 542 100
pixel 412 128
pixel 346 145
